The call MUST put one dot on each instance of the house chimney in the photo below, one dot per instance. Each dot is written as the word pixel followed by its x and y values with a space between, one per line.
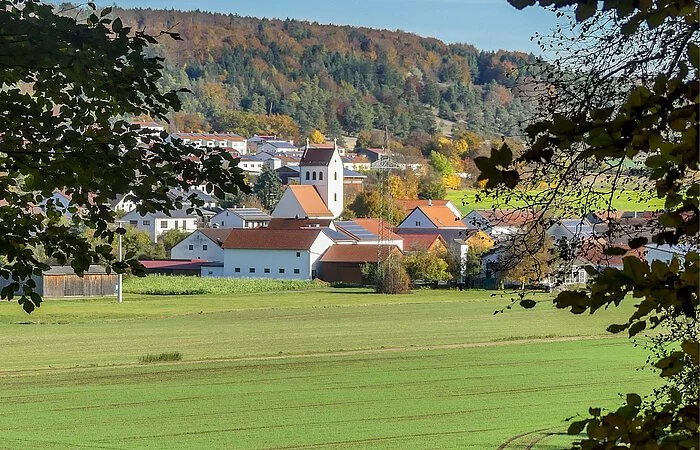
pixel 430 202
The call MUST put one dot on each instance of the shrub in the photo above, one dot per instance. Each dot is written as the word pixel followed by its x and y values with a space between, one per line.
pixel 165 356
pixel 393 278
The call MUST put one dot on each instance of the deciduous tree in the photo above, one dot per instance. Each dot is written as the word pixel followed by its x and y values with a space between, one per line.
pixel 625 90
pixel 69 82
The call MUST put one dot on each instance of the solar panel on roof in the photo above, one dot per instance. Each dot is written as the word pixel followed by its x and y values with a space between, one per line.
pixel 356 230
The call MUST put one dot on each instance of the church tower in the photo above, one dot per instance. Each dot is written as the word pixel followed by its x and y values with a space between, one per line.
pixel 322 168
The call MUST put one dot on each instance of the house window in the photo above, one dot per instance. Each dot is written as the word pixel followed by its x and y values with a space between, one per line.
pixel 281 270
pixel 308 174
pixel 296 271
pixel 298 254
pixel 237 269
pixel 164 224
pixel 190 247
pixel 146 223
pixel 204 247
pixel 222 144
pixel 133 222
pixel 211 273
pixel 251 270
pixel 266 270
pixel 313 176
pixel 335 197
pixel 335 176
pixel 176 224
pixel 320 175
pixel 417 223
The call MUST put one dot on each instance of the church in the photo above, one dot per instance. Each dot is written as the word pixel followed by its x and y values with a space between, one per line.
pixel 320 194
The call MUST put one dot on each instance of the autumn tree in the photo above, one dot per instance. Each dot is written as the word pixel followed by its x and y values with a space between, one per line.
pixel 69 83
pixel 316 137
pixel 625 91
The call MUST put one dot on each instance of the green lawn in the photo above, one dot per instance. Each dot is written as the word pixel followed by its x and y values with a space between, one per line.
pixel 330 368
pixel 628 200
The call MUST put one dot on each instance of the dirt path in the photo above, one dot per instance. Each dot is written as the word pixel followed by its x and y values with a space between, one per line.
pixel 368 351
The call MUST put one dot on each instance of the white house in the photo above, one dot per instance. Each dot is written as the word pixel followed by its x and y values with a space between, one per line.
pixel 240 218
pixel 432 216
pixel 229 141
pixel 265 253
pixel 499 224
pixel 276 146
pixel 251 163
pixel 123 203
pixel 204 243
pixel 155 224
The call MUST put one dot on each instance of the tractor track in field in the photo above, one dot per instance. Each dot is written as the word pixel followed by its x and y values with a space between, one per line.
pixel 528 439
pixel 286 356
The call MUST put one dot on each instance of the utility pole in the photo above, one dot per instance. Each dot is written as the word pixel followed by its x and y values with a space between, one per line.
pixel 120 275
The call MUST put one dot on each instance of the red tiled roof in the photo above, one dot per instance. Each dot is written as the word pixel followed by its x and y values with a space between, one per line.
pixel 279 223
pixel 265 238
pixel 420 242
pixel 507 217
pixel 217 235
pixel 355 253
pixel 593 251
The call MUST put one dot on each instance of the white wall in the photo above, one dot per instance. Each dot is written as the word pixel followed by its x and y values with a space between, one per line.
pixel 197 241
pixel 212 272
pixel 259 259
pixel 227 219
pixel 330 186
pixel 416 219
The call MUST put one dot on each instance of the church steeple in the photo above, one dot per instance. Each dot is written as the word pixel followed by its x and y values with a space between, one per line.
pixel 323 168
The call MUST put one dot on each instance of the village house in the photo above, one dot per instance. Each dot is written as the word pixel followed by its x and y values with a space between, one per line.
pixel 230 141
pixel 498 223
pixel 240 218
pixel 202 244
pixel 273 147
pixel 433 215
pixel 266 253
pixel 155 224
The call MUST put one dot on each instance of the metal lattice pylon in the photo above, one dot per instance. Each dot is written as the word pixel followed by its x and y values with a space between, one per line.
pixel 384 165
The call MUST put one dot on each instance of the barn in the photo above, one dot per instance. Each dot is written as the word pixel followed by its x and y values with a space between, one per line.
pixel 343 263
pixel 61 282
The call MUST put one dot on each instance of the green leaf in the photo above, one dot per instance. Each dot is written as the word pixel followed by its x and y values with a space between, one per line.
pixel 637 327
pixel 520 4
pixel 527 303
pixel 692 349
pixel 614 251
pixel 694 54
pixel 637 242
pixel 617 328
pixel 585 10
pixel 117 25
pixel 577 427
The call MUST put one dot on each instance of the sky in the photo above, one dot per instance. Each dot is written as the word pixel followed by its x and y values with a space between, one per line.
pixel 487 24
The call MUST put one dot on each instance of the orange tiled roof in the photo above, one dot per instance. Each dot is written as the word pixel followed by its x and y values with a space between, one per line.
pixel 420 242
pixel 410 205
pixel 441 216
pixel 310 200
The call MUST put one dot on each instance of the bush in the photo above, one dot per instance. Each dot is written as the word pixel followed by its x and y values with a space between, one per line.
pixel 393 278
pixel 166 356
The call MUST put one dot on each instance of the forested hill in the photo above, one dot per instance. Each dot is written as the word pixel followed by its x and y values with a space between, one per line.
pixel 333 78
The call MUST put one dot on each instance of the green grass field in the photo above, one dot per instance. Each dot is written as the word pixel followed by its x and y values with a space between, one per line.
pixel 331 368
pixel 466 200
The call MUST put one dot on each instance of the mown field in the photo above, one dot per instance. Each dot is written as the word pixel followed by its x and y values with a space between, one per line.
pixel 326 368
pixel 467 200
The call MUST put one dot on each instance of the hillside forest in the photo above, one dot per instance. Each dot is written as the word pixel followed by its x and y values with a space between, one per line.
pixel 340 80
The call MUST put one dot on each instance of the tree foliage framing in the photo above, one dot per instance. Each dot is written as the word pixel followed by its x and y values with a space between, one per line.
pixel 619 105
pixel 69 81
